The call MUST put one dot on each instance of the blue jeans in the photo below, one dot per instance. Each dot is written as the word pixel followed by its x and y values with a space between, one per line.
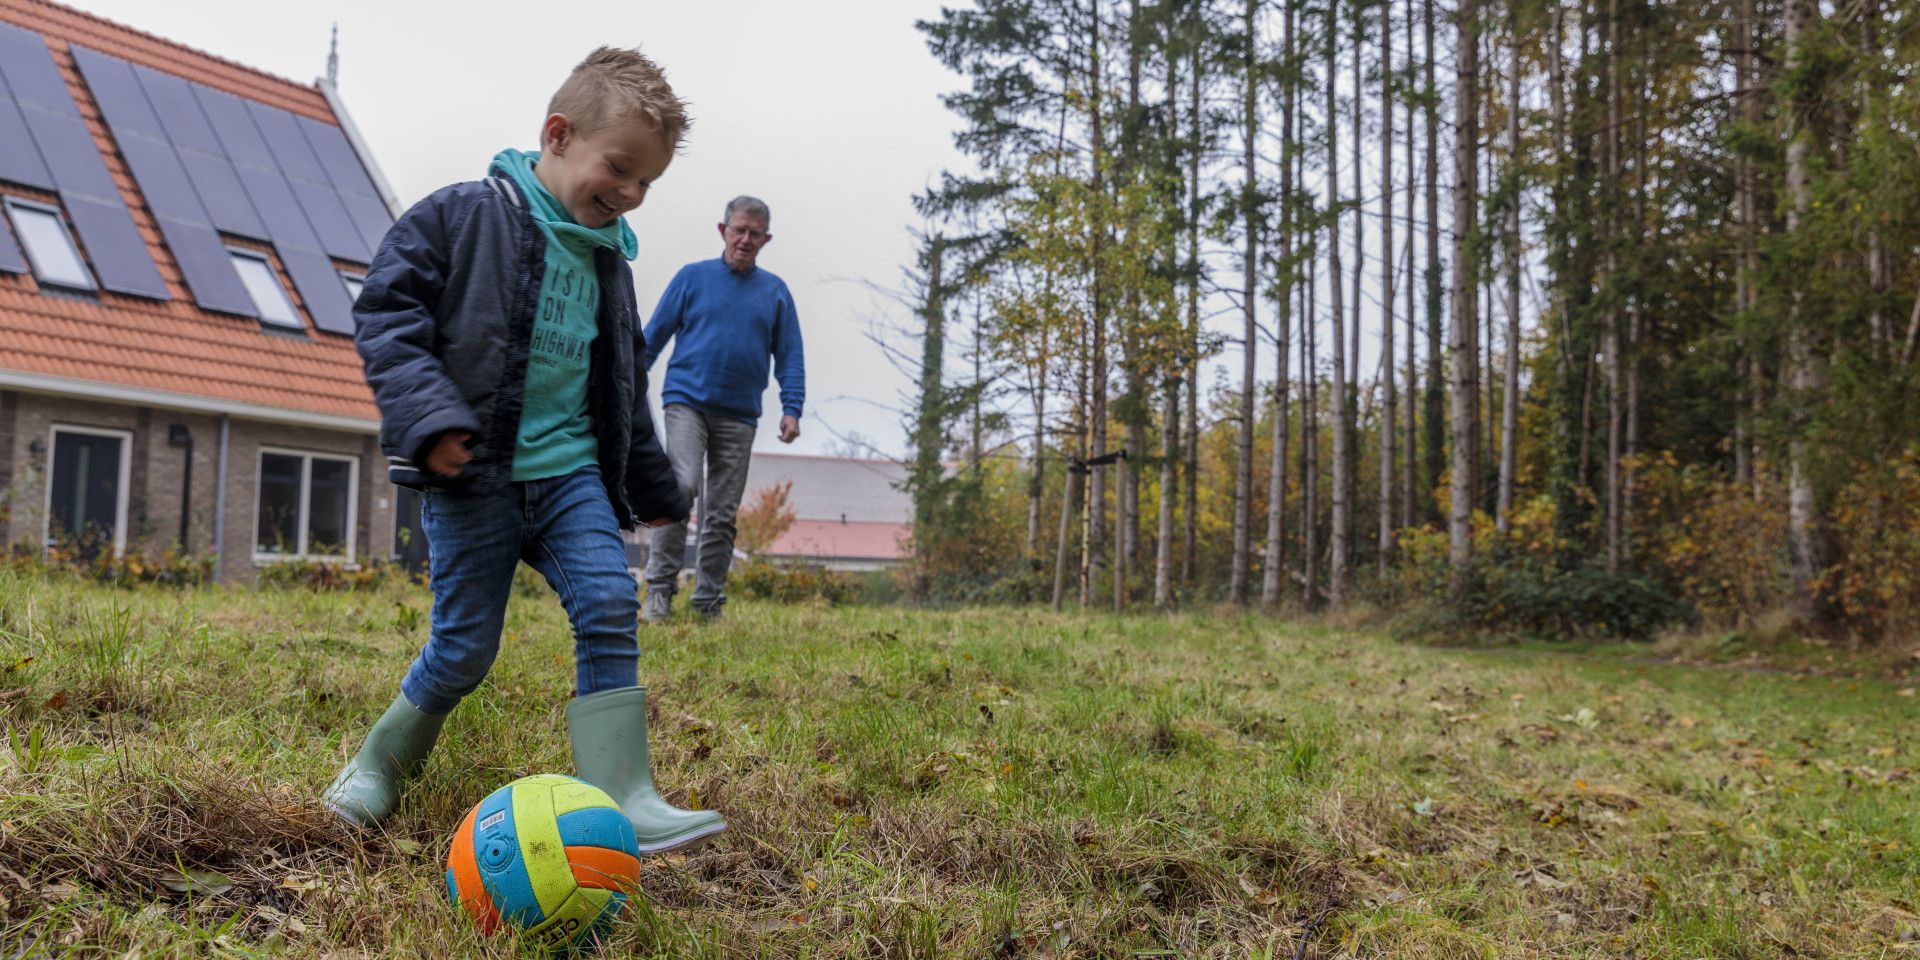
pixel 710 454
pixel 562 527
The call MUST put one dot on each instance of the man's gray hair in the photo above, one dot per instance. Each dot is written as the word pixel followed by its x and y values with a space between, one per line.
pixel 751 206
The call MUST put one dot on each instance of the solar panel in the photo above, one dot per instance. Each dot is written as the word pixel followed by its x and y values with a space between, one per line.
pixel 19 158
pixel 319 285
pixel 172 98
pixel 285 142
pixel 232 124
pixel 207 268
pixel 274 199
pixel 219 188
pixel 200 153
pixel 73 156
pixel 336 155
pixel 368 212
pixel 122 103
pixel 338 234
pixel 10 259
pixel 162 180
pixel 119 254
pixel 31 74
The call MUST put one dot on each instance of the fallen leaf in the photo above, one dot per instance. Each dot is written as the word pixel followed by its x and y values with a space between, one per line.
pixel 203 882
pixel 1537 876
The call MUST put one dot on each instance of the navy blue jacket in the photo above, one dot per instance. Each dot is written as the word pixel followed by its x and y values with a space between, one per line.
pixel 443 323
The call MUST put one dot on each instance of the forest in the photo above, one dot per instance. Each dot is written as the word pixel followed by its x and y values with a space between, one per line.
pixel 1555 318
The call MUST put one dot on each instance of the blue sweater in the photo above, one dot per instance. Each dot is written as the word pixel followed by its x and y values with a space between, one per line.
pixel 730 325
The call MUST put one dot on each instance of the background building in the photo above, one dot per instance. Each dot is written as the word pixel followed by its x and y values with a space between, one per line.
pixel 181 240
pixel 847 514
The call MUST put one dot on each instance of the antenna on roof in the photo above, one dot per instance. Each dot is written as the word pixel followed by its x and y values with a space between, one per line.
pixel 333 55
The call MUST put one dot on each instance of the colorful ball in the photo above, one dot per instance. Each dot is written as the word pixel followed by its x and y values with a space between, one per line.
pixel 549 854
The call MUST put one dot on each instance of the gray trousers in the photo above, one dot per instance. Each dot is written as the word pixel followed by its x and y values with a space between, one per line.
pixel 719 449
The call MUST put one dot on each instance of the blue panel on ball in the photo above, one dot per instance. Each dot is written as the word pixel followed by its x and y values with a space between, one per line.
pixel 497 853
pixel 603 924
pixel 598 827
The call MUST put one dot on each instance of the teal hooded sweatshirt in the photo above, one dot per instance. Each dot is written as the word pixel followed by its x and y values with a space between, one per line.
pixel 556 434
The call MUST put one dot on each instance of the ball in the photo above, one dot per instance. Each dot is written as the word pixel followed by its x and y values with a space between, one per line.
pixel 549 854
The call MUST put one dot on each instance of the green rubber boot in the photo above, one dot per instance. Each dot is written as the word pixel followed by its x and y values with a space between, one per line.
pixel 609 733
pixel 368 788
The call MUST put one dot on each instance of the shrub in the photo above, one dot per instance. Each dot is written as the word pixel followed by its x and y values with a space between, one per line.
pixel 326 576
pixel 792 583
pixel 94 560
pixel 1722 546
pixel 1515 584
pixel 1875 584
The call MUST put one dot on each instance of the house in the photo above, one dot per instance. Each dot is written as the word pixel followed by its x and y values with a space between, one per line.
pixel 849 514
pixel 181 241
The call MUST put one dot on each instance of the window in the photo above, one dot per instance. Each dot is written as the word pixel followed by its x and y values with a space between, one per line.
pixel 354 282
pixel 87 490
pixel 306 507
pixel 264 285
pixel 56 261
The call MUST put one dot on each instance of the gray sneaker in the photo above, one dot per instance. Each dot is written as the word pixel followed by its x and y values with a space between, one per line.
pixel 658 608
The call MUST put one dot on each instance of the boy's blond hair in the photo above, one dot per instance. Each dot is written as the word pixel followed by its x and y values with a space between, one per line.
pixel 611 85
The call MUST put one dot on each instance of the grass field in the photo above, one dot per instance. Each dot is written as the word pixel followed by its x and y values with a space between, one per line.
pixel 980 784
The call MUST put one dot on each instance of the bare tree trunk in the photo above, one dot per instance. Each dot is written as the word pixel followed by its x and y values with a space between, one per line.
pixel 1170 405
pixel 1636 312
pixel 1409 496
pixel 1877 267
pixel 1277 472
pixel 1309 436
pixel 1804 514
pixel 1611 225
pixel 1510 406
pixel 1342 435
pixel 1388 432
pixel 1249 305
pixel 1068 509
pixel 1466 314
pixel 1071 513
pixel 1746 209
pixel 1037 477
pixel 1435 400
pixel 1356 531
pixel 1093 525
pixel 1190 515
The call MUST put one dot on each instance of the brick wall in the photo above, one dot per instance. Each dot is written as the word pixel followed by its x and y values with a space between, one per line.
pixel 157 491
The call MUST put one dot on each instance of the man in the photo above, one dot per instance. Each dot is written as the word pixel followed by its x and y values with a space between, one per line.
pixel 731 317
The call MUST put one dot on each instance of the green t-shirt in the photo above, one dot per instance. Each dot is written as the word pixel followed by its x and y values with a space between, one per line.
pixel 556 433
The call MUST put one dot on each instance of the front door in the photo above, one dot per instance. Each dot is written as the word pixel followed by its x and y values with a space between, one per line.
pixel 84 502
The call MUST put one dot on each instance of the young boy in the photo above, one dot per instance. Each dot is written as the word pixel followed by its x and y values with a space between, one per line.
pixel 499 332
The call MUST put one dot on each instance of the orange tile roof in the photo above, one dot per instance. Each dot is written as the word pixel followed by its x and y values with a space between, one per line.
pixel 173 346
pixel 832 539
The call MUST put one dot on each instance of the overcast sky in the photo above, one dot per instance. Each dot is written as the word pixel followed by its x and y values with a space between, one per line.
pixel 828 111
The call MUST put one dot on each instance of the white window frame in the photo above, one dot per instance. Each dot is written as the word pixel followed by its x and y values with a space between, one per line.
pixel 351 280
pixel 121 493
pixel 306 494
pixel 66 235
pixel 296 322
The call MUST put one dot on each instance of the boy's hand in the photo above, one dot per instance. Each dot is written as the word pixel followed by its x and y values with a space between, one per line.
pixel 789 429
pixel 450 453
